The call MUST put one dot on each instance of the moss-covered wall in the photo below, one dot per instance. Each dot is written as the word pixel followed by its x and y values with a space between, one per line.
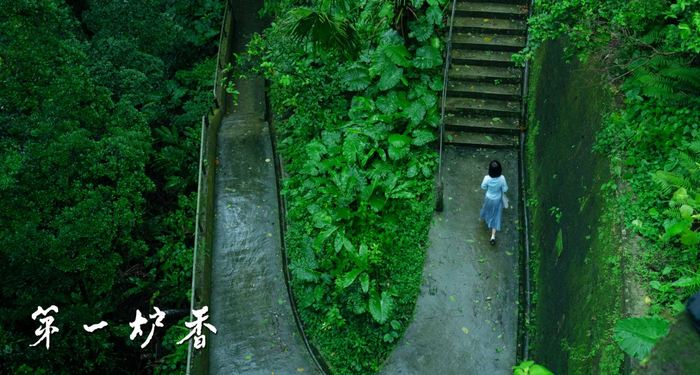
pixel 575 261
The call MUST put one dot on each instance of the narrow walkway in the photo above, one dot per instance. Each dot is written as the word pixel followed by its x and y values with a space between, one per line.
pixel 250 305
pixel 466 315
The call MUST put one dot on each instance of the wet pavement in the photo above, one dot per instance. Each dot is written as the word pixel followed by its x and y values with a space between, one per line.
pixel 250 304
pixel 466 315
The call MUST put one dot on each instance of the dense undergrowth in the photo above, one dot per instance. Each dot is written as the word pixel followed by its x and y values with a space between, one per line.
pixel 650 49
pixel 354 90
pixel 100 109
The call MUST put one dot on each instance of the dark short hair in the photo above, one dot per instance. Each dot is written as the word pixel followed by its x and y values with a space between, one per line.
pixel 495 169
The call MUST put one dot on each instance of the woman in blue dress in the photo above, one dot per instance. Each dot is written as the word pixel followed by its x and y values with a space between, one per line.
pixel 495 185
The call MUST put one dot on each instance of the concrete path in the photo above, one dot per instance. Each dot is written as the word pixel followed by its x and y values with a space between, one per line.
pixel 466 315
pixel 250 305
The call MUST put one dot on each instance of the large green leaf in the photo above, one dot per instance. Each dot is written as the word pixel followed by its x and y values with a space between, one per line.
pixel 390 77
pixel 347 279
pixel 427 57
pixel 415 112
pixel 364 282
pixel 323 236
pixel 637 336
pixel 380 307
pixel 392 102
pixel 387 103
pixel 356 78
pixel 434 14
pixel 530 368
pixel 421 29
pixel 399 145
pixel 315 150
pixel 353 146
pixel 421 137
pixel 361 107
pixel 398 54
pixel 304 274
pixel 417 3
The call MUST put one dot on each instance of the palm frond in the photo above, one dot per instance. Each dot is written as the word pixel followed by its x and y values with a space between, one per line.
pixel 322 29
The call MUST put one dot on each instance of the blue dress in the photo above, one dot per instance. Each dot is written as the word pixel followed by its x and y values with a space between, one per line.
pixel 492 209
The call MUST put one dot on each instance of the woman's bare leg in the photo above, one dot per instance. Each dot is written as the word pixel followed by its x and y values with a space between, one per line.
pixel 493 234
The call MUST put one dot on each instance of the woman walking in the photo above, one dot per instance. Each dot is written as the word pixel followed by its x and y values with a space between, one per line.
pixel 495 185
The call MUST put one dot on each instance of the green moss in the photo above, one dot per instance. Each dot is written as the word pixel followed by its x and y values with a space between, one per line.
pixel 577 291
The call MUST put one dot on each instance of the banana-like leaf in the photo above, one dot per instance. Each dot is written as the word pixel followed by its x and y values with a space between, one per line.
pixel 347 279
pixel 380 307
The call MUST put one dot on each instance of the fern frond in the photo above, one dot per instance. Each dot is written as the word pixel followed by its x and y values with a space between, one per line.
pixel 690 282
pixel 669 181
pixel 653 36
pixel 688 76
pixel 694 146
pixel 653 85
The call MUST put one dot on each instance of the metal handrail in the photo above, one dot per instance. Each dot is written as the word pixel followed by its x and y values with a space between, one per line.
pixel 200 236
pixel 448 57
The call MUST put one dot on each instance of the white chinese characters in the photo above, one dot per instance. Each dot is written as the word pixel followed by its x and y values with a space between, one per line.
pixel 140 320
pixel 47 329
pixel 200 341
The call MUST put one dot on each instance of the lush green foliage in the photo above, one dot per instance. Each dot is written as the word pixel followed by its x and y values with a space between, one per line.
pixel 637 336
pixel 101 102
pixel 355 135
pixel 651 48
pixel 530 368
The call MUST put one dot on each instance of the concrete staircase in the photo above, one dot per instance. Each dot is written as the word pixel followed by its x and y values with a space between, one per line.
pixel 484 85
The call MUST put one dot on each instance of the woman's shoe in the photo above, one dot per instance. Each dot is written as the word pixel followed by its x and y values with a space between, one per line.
pixel 493 241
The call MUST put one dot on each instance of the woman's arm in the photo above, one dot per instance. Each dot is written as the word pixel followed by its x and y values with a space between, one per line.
pixel 483 183
pixel 505 184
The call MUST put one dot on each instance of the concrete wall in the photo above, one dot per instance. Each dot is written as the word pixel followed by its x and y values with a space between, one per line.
pixel 577 277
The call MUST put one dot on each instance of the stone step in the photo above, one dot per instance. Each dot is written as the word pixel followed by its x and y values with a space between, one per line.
pixel 490 10
pixel 490 107
pixel 494 25
pixel 483 90
pixel 479 57
pixel 491 42
pixel 494 74
pixel 482 124
pixel 481 140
